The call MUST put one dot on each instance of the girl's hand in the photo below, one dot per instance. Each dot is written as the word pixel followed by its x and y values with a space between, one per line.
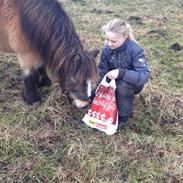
pixel 113 74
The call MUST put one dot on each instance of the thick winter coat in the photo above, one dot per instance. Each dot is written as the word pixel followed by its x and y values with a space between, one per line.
pixel 129 59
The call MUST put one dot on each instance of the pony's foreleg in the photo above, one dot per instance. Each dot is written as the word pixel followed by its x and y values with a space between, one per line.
pixel 43 80
pixel 29 93
pixel 30 64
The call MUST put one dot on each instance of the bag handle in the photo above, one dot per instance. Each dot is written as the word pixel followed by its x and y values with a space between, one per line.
pixel 112 83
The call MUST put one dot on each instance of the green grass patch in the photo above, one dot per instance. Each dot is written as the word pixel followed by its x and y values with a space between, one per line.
pixel 48 143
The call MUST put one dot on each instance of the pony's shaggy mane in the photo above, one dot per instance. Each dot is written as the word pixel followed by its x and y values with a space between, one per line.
pixel 51 33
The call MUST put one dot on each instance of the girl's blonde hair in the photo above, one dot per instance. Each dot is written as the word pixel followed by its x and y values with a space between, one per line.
pixel 119 27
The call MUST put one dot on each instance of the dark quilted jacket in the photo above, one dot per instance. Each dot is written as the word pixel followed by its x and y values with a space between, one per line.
pixel 130 60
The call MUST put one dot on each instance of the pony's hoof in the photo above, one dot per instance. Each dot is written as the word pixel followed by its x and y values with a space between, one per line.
pixel 45 82
pixel 31 99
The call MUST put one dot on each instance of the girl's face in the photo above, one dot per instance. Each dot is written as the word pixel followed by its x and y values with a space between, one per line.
pixel 114 40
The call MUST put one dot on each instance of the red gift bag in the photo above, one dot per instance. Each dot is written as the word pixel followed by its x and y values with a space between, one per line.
pixel 103 113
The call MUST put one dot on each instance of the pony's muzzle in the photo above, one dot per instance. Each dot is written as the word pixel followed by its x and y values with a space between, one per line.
pixel 79 101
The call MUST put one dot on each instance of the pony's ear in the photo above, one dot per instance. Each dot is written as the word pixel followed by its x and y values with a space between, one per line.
pixel 76 62
pixel 76 58
pixel 94 52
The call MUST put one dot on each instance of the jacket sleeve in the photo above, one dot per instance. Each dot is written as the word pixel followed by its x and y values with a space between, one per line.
pixel 140 73
pixel 103 66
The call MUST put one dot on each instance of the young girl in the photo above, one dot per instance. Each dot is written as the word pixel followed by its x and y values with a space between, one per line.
pixel 123 59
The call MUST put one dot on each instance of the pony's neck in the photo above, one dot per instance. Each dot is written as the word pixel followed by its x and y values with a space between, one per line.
pixel 49 30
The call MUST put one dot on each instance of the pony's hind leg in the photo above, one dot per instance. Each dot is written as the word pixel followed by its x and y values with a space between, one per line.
pixel 43 80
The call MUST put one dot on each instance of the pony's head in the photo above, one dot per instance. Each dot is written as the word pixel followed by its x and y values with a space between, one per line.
pixel 80 74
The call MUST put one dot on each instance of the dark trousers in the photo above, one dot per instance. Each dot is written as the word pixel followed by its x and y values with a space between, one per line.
pixel 125 94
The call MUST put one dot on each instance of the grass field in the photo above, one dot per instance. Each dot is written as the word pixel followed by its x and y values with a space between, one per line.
pixel 48 143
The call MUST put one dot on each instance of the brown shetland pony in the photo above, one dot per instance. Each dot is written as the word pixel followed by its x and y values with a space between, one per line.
pixel 42 35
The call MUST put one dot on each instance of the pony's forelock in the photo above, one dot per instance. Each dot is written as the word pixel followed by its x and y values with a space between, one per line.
pixel 88 69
